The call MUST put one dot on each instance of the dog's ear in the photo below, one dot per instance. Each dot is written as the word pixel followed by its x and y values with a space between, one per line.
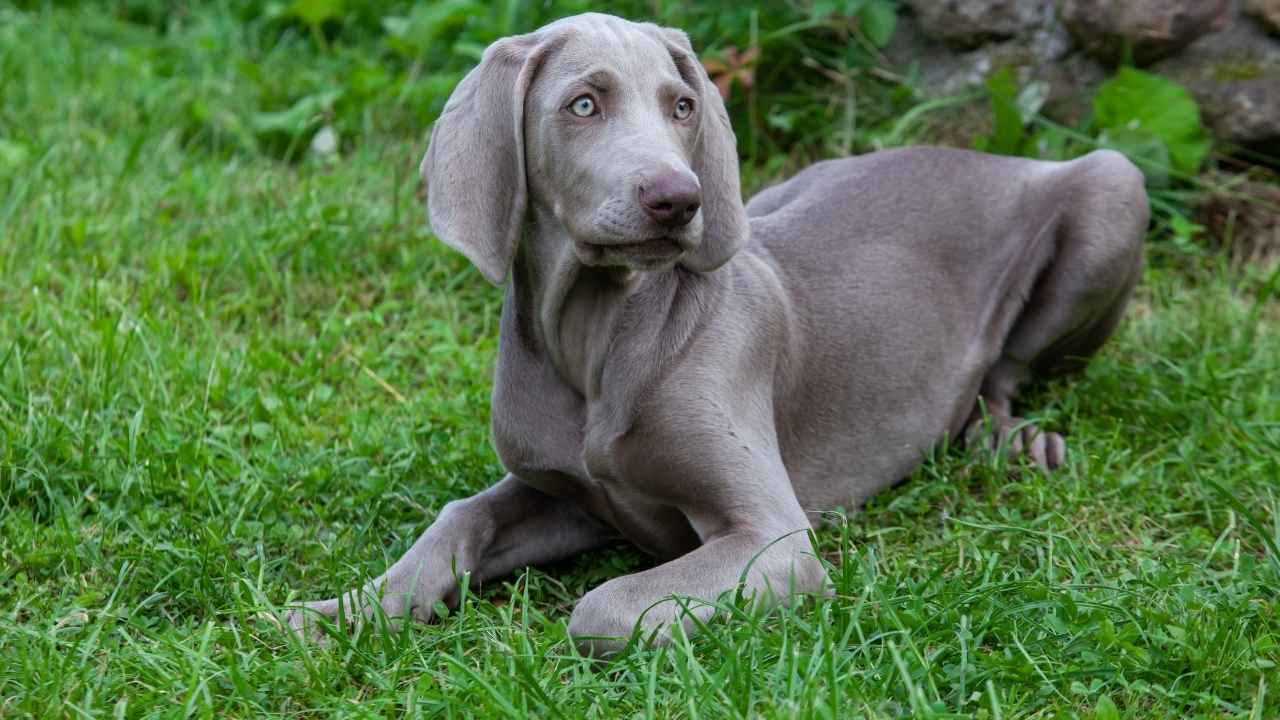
pixel 715 161
pixel 474 167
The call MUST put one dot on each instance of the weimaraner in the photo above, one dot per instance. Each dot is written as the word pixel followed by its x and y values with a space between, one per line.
pixel 706 379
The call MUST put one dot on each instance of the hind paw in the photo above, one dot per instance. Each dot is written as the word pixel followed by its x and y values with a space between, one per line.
pixel 1017 437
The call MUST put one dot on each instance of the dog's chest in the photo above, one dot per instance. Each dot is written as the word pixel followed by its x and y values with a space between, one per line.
pixel 540 419
pixel 538 426
pixel 542 433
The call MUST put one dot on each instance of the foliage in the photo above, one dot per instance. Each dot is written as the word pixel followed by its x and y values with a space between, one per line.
pixel 1013 111
pixel 228 381
pixel 389 65
pixel 1152 119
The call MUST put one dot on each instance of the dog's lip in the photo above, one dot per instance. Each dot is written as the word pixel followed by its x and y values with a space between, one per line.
pixel 661 246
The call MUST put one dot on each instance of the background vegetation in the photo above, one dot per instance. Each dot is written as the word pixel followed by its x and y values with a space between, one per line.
pixel 235 370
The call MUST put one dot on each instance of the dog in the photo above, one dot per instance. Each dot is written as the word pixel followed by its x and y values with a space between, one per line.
pixel 706 378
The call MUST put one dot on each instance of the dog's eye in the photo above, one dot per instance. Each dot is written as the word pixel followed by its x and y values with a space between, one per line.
pixel 583 106
pixel 684 108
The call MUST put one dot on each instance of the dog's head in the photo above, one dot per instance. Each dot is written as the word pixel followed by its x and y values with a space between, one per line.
pixel 610 126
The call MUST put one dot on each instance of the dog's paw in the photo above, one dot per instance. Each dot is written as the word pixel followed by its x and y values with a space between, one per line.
pixel 1016 437
pixel 317 621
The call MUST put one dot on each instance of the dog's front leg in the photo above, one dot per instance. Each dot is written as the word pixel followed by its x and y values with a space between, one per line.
pixel 765 552
pixel 489 534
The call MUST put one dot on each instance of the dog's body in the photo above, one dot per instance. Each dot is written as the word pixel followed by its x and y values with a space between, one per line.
pixel 707 379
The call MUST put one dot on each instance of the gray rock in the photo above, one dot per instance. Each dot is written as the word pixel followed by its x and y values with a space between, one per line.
pixel 970 23
pixel 1072 83
pixel 1233 74
pixel 1226 58
pixel 1239 51
pixel 945 69
pixel 1146 29
pixel 1267 12
pixel 1246 112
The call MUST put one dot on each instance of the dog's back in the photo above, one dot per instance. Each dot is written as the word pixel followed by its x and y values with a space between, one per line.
pixel 906 270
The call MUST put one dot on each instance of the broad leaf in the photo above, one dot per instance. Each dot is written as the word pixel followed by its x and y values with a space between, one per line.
pixel 316 12
pixel 297 119
pixel 1137 101
pixel 1146 150
pixel 878 19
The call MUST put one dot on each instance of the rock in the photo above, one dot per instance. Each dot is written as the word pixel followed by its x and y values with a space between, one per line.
pixel 1267 11
pixel 947 69
pixel 1240 47
pixel 970 23
pixel 1241 51
pixel 1148 29
pixel 1072 83
pixel 1241 218
pixel 1246 112
pixel 1234 75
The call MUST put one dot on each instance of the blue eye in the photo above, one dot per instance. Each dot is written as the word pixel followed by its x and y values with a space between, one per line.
pixel 684 108
pixel 583 106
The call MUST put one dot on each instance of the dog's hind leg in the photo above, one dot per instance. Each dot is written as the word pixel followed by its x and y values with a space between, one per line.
pixel 508 526
pixel 1075 303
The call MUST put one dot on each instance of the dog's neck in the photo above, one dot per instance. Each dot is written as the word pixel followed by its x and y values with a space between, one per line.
pixel 571 313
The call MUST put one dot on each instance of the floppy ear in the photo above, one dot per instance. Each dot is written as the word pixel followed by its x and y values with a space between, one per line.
pixel 715 162
pixel 474 166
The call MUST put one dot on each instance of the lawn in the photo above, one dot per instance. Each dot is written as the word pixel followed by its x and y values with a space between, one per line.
pixel 229 381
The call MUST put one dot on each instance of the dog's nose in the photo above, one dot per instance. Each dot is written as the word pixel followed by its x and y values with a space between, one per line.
pixel 671 199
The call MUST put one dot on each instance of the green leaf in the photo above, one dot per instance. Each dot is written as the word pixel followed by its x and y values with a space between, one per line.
pixel 315 12
pixel 1145 149
pixel 1048 143
pixel 878 19
pixel 1007 136
pixel 270 403
pixel 1105 709
pixel 823 9
pixel 419 32
pixel 1137 101
pixel 12 155
pixel 298 118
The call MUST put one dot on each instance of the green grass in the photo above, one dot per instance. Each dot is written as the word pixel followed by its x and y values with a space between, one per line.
pixel 227 383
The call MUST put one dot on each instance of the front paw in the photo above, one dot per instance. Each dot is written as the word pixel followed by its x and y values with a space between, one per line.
pixel 606 620
pixel 315 621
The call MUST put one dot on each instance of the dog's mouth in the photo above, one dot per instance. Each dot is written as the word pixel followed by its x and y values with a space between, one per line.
pixel 657 247
pixel 654 250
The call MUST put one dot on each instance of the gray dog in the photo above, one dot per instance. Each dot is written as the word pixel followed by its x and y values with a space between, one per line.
pixel 706 379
